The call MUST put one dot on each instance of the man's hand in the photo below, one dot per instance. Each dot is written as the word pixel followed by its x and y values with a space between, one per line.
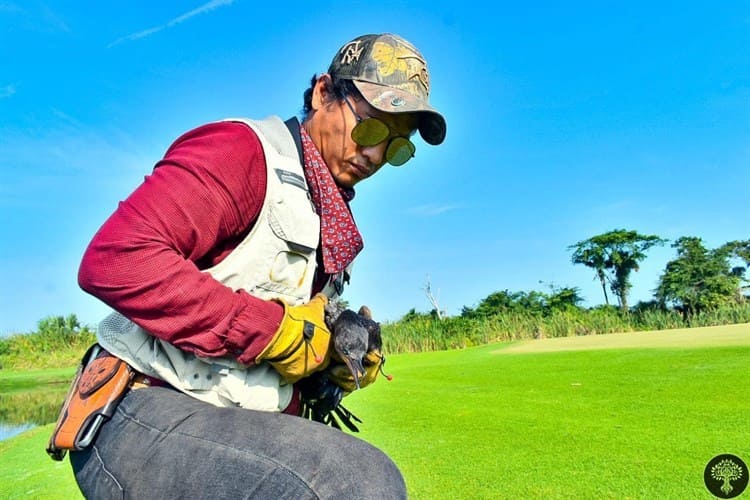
pixel 301 345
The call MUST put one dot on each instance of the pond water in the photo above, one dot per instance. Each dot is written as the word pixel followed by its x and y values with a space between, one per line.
pixel 8 431
pixel 26 409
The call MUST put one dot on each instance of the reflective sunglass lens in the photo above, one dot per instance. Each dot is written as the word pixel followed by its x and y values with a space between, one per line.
pixel 370 132
pixel 399 151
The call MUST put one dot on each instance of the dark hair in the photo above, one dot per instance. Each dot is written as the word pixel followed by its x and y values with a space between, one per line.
pixel 341 89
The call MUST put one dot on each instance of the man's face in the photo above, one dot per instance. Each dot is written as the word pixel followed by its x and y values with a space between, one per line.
pixel 330 127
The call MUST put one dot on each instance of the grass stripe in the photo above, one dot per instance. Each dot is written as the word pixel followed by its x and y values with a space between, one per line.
pixel 728 335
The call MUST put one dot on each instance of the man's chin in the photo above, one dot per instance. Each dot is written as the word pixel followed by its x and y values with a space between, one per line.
pixel 347 180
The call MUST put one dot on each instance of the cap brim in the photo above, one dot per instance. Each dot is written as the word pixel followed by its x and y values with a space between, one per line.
pixel 388 99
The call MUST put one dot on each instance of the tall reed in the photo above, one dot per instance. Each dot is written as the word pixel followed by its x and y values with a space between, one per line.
pixel 59 342
pixel 426 333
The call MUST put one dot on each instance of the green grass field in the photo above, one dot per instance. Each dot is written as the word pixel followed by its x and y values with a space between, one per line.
pixel 634 415
pixel 13 380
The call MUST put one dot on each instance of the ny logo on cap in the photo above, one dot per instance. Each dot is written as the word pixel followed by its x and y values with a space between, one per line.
pixel 351 51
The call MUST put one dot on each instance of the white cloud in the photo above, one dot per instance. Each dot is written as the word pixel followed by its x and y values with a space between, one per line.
pixel 431 209
pixel 7 91
pixel 207 7
pixel 10 7
pixel 37 18
pixel 66 118
pixel 64 155
pixel 52 20
pixel 136 36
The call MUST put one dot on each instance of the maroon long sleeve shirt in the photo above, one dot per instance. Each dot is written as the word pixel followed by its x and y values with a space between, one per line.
pixel 198 204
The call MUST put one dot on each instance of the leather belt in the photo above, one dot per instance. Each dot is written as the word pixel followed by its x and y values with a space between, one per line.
pixel 140 380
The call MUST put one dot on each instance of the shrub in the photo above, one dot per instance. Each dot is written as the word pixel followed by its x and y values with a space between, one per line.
pixel 424 332
pixel 58 342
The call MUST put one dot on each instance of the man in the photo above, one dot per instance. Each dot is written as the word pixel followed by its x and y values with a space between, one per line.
pixel 219 267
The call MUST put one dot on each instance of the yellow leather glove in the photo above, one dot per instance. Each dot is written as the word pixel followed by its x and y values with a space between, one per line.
pixel 340 374
pixel 301 345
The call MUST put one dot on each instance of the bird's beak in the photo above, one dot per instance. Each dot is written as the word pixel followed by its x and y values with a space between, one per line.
pixel 355 366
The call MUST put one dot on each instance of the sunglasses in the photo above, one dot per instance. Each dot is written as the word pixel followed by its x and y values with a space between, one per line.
pixel 371 131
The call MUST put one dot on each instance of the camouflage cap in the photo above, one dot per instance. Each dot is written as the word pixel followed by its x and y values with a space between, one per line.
pixel 392 76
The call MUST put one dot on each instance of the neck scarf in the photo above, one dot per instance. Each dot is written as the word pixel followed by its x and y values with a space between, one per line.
pixel 340 240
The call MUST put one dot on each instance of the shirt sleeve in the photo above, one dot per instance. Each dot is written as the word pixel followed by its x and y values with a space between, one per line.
pixel 146 260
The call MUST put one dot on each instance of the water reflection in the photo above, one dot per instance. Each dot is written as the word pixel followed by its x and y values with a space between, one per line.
pixel 23 410
pixel 8 431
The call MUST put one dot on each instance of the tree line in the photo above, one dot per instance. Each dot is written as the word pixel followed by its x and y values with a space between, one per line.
pixel 700 287
pixel 697 280
pixel 58 341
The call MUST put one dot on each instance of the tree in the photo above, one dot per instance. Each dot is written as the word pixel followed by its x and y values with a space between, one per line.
pixel 494 303
pixel 413 315
pixel 593 256
pixel 698 279
pixel 614 256
pixel 739 251
pixel 532 302
pixel 433 300
pixel 59 326
pixel 564 298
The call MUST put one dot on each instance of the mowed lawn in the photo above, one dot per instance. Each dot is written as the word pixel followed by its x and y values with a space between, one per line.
pixel 634 415
pixel 566 418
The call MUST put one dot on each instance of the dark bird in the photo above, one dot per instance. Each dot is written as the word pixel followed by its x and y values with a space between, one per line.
pixel 354 335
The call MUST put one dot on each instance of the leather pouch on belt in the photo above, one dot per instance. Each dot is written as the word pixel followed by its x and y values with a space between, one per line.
pixel 99 384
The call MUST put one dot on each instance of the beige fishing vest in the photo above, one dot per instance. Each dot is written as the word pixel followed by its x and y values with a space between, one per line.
pixel 276 260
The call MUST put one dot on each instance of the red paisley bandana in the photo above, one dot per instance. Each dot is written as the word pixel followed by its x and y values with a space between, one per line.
pixel 339 237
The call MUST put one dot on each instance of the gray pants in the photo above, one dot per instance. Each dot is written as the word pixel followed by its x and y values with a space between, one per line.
pixel 163 444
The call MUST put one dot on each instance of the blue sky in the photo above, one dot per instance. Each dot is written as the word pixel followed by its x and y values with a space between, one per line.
pixel 564 121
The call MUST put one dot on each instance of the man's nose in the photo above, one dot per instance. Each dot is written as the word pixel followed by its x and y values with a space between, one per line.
pixel 375 154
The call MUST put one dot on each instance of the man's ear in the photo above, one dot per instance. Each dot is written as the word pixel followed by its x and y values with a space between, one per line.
pixel 322 91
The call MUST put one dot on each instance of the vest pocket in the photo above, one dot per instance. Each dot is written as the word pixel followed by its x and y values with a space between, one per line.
pixel 300 231
pixel 291 265
pixel 289 269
